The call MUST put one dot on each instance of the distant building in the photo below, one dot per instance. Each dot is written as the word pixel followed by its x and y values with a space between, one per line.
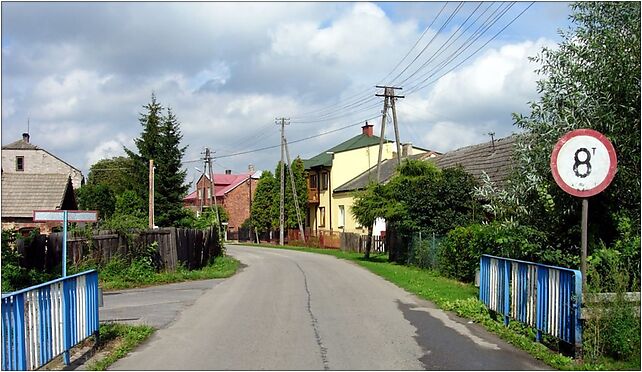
pixel 234 192
pixel 22 157
pixel 495 158
pixel 24 193
pixel 330 209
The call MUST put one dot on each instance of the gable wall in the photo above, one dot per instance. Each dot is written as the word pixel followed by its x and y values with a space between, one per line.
pixel 39 162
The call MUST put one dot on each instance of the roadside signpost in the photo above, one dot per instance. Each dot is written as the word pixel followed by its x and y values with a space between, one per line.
pixel 583 163
pixel 65 217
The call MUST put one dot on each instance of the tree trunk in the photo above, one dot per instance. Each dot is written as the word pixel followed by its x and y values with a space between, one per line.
pixel 369 242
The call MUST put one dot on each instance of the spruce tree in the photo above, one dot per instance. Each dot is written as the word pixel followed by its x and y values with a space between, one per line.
pixel 170 187
pixel 148 146
pixel 160 141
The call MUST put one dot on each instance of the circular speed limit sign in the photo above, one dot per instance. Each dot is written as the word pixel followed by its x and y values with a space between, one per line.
pixel 583 162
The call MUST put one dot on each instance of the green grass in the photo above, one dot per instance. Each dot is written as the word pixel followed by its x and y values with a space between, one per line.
pixel 124 337
pixel 462 299
pixel 121 274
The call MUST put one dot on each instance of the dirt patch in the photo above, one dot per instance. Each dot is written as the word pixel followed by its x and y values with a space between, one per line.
pixel 83 355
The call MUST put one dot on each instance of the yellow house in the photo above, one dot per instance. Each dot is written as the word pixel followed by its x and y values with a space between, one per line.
pixel 331 169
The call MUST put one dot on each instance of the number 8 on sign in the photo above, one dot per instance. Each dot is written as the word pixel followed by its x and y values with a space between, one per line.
pixel 583 162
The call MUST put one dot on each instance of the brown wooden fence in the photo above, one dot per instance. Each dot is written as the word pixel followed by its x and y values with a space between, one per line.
pixel 190 247
pixel 353 242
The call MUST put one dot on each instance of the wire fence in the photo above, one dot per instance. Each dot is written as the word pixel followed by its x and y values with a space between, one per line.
pixel 423 250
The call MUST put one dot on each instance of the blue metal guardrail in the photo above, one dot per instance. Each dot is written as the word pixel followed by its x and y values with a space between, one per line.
pixel 548 298
pixel 44 321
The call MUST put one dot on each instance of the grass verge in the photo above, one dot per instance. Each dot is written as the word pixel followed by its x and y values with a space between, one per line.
pixel 462 299
pixel 119 340
pixel 122 275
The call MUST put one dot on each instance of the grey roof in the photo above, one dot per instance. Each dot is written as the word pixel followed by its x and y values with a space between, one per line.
pixel 494 159
pixel 388 168
pixel 22 193
pixel 20 145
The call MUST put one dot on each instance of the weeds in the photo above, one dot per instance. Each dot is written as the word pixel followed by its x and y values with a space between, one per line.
pixel 127 337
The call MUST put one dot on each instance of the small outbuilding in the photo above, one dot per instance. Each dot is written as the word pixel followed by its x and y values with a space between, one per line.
pixel 24 193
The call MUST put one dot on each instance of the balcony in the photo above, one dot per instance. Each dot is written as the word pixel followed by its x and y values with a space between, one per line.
pixel 313 195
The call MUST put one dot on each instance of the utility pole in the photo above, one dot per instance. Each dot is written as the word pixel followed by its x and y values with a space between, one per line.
pixel 281 121
pixel 296 199
pixel 388 101
pixel 208 168
pixel 151 193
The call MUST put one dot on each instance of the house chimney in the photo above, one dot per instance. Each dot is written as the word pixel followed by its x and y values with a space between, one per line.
pixel 228 171
pixel 367 129
pixel 406 149
pixel 25 137
pixel 250 169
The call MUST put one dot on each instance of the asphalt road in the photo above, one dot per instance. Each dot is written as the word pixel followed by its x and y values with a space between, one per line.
pixel 290 310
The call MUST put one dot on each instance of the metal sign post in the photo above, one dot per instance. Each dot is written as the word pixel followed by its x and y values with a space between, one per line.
pixel 65 217
pixel 583 163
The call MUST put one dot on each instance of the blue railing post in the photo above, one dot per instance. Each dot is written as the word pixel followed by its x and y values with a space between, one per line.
pixel 64 243
pixel 506 291
pixel 66 323
pixel 21 350
pixel 546 297
pixel 577 318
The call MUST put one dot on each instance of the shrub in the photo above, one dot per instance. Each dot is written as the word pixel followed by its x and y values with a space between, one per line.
pixel 462 248
pixel 614 328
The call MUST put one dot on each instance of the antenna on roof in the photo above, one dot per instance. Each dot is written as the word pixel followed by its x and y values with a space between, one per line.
pixel 492 138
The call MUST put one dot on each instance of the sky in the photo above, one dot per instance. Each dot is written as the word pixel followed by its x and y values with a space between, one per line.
pixel 78 74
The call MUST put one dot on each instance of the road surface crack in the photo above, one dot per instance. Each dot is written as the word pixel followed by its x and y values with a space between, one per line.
pixel 315 323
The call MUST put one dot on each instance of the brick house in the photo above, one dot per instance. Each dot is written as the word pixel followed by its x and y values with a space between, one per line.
pixel 24 193
pixel 23 157
pixel 233 191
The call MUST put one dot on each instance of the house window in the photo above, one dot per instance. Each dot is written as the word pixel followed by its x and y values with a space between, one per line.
pixel 20 163
pixel 200 194
pixel 313 181
pixel 324 181
pixel 321 216
pixel 209 192
pixel 342 216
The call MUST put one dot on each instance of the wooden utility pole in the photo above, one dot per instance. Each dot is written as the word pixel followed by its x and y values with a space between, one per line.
pixel 208 167
pixel 151 193
pixel 281 121
pixel 296 199
pixel 388 101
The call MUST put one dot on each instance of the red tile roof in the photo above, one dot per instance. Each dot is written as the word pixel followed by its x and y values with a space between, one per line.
pixel 223 183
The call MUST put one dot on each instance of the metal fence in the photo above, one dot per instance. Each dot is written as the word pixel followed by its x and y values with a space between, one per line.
pixel 547 298
pixel 41 322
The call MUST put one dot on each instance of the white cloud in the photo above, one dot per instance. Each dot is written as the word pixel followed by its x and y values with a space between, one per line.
pixel 500 80
pixel 227 70
pixel 445 136
pixel 108 149
pixel 475 99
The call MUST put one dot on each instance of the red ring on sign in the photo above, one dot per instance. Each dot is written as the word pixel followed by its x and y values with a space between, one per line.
pixel 612 166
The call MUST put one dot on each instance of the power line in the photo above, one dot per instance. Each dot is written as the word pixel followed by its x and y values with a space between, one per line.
pixel 299 140
pixel 416 88
pixel 481 30
pixel 431 40
pixel 444 44
pixel 416 42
